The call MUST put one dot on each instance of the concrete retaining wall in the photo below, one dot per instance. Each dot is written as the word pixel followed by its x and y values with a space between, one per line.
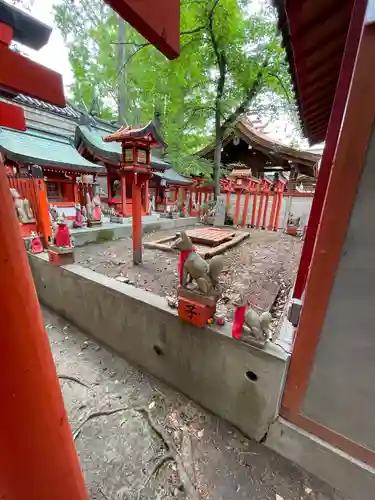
pixel 237 382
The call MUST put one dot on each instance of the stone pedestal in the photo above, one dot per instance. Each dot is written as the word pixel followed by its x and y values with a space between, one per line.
pixel 60 256
pixel 195 308
pixel 116 219
pixel 94 223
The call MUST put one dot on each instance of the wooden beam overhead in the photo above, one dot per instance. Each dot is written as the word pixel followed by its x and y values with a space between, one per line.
pixel 30 78
pixel 158 22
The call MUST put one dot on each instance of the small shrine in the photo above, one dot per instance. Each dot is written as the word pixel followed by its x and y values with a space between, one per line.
pixel 135 170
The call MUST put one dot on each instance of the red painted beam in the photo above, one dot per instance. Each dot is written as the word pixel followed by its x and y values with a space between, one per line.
pixel 6 34
pixel 334 127
pixel 158 22
pixel 12 116
pixel 20 74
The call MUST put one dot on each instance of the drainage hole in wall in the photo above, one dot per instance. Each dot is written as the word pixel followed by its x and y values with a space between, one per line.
pixel 158 350
pixel 253 377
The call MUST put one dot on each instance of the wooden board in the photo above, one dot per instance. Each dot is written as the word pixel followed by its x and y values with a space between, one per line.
pixel 210 236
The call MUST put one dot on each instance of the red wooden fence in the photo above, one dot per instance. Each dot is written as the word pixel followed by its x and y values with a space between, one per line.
pixel 258 195
pixel 35 192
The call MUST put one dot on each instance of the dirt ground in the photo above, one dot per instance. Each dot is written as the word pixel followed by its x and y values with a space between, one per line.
pixel 263 266
pixel 130 454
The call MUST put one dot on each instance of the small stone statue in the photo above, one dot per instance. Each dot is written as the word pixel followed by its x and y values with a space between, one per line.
pixel 78 221
pixel 23 208
pixel 96 208
pixel 89 208
pixel 151 205
pixel 193 267
pixel 248 325
pixel 84 216
pixel 62 236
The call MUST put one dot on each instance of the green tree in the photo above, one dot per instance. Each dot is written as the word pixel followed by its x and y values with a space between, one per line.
pixel 231 63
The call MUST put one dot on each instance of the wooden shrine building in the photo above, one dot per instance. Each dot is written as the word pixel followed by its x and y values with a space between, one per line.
pixel 61 131
pixel 246 145
pixel 68 174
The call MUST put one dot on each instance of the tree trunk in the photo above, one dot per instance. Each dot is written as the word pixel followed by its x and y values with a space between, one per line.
pixel 217 154
pixel 122 87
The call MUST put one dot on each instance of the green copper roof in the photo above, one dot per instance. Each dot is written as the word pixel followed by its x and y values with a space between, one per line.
pixel 173 177
pixel 43 149
pixel 92 138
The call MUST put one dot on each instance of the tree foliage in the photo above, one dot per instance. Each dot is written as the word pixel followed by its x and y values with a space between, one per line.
pixel 231 63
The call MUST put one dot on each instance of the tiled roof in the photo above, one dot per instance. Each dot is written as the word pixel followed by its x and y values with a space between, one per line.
pixel 33 146
pixel 68 111
pixel 92 138
pixel 173 177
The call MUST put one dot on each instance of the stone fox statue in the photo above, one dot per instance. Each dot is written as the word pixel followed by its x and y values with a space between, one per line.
pixel 256 325
pixel 193 267
pixel 22 206
pixel 248 323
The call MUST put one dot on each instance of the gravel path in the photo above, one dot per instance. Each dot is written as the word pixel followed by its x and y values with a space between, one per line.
pixel 118 452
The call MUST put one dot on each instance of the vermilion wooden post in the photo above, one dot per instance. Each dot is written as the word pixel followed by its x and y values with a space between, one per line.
pixel 145 203
pixel 123 196
pixel 137 221
pixel 237 209
pixel 75 189
pixel 190 207
pixel 227 198
pixel 43 209
pixel 38 460
pixel 273 210
pixel 246 206
pixel 279 194
pixel 260 208
pixel 267 197
pixel 253 212
pixel 334 127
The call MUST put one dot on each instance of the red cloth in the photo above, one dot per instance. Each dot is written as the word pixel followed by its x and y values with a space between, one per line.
pixel 239 319
pixel 184 254
pixel 62 236
pixel 36 245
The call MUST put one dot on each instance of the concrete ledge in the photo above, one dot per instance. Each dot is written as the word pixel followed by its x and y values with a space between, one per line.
pixel 238 382
pixel 109 231
pixel 350 476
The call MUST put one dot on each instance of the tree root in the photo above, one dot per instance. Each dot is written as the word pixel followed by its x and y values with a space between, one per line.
pixel 97 414
pixel 159 464
pixel 76 380
pixel 171 455
pixel 189 487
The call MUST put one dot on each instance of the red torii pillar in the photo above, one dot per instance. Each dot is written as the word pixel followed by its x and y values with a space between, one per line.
pixel 238 205
pixel 280 192
pixel 264 188
pixel 38 460
pixel 246 204
pixel 255 189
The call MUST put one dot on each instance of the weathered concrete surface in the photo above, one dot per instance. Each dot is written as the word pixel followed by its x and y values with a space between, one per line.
pixel 353 478
pixel 234 380
pixel 109 231
pixel 118 452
